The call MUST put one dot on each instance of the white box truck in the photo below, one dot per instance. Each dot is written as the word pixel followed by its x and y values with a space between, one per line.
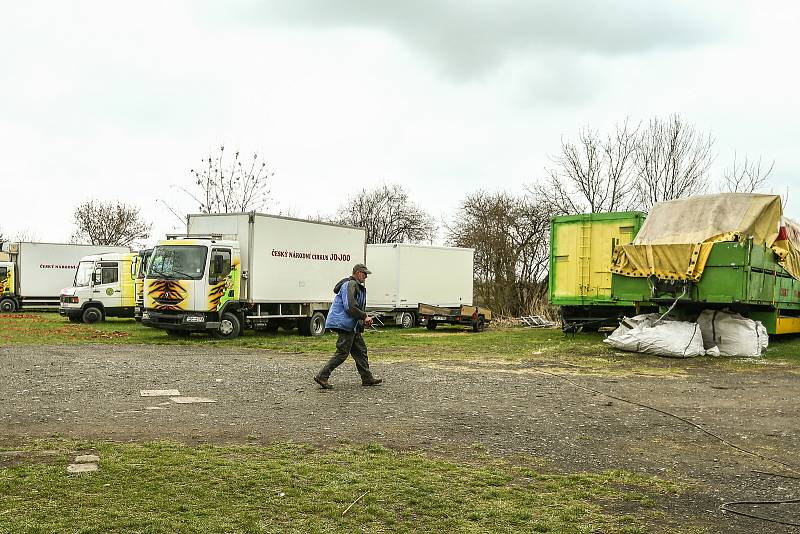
pixel 104 286
pixel 37 272
pixel 238 270
pixel 405 275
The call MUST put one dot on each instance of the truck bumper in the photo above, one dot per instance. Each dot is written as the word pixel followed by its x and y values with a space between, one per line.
pixel 69 312
pixel 183 321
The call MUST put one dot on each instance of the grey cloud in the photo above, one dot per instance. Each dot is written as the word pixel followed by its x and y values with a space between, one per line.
pixel 469 38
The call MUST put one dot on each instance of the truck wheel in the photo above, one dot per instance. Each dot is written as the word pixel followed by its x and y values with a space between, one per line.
pixel 313 326
pixel 431 325
pixel 92 315
pixel 407 320
pixel 229 327
pixel 479 325
pixel 7 305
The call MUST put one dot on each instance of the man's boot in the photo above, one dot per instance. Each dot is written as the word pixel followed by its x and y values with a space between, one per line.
pixel 371 381
pixel 323 382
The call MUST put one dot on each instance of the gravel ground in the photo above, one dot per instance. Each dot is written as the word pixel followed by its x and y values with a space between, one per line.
pixel 449 408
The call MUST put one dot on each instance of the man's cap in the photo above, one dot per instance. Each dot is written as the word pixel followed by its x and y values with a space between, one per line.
pixel 361 268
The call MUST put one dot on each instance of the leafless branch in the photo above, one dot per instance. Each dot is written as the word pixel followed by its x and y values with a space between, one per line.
pixel 388 215
pixel 672 159
pixel 229 188
pixel 591 174
pixel 746 176
pixel 109 223
pixel 510 236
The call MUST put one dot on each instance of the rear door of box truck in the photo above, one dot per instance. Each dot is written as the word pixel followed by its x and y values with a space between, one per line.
pixel 441 276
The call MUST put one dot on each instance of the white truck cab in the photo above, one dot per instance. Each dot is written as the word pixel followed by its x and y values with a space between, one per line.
pixel 103 287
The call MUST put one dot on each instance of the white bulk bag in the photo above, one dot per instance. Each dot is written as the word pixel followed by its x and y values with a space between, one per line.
pixel 733 334
pixel 645 333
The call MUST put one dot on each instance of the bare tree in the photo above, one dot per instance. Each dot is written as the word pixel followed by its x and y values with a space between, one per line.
pixel 672 159
pixel 510 236
pixel 746 176
pixel 388 215
pixel 591 174
pixel 231 187
pixel 109 223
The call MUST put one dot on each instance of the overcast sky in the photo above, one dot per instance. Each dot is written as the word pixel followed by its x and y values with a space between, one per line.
pixel 118 101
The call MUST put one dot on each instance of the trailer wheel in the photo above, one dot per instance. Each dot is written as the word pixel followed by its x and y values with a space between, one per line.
pixel 7 305
pixel 479 325
pixel 407 320
pixel 229 327
pixel 92 315
pixel 313 326
pixel 431 325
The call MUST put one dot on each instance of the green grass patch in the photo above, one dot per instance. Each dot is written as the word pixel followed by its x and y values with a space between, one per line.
pixel 165 487
pixel 509 344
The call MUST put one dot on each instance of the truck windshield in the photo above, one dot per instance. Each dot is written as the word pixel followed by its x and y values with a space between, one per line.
pixel 84 274
pixel 177 262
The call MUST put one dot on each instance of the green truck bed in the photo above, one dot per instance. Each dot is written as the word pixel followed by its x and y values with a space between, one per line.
pixel 738 275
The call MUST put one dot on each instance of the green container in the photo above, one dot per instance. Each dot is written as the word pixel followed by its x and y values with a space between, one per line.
pixel 742 276
pixel 581 247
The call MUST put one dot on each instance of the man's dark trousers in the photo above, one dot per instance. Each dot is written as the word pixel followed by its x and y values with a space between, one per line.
pixel 348 343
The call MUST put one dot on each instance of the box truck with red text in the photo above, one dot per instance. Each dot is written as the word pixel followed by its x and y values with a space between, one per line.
pixel 237 270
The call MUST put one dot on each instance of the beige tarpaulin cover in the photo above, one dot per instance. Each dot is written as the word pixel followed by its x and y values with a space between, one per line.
pixel 676 238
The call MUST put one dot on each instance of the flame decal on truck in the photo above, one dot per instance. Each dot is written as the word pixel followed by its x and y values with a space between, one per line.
pixel 225 290
pixel 167 295
pixel 7 281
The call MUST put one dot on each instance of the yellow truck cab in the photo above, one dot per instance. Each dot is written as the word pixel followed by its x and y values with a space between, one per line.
pixel 103 287
pixel 188 284
pixel 7 303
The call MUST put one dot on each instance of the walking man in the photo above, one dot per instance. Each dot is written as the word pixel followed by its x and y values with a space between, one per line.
pixel 348 317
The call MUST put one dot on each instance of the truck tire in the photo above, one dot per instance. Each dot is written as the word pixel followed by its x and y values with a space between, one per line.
pixel 313 326
pixel 407 320
pixel 479 325
pixel 92 315
pixel 431 325
pixel 8 305
pixel 229 327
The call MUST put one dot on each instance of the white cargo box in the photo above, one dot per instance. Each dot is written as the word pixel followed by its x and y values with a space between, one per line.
pixel 44 269
pixel 404 275
pixel 283 259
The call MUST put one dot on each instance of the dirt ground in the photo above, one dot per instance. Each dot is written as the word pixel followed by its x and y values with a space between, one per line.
pixel 510 410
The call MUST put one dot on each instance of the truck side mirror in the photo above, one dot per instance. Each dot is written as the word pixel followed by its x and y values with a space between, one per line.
pixel 218 262
pixel 97 277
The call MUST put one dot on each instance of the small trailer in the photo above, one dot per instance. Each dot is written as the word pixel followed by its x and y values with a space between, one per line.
pixel 404 275
pixel 476 317
pixel 37 272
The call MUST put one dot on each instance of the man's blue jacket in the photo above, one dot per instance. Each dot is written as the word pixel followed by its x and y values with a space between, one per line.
pixel 348 307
